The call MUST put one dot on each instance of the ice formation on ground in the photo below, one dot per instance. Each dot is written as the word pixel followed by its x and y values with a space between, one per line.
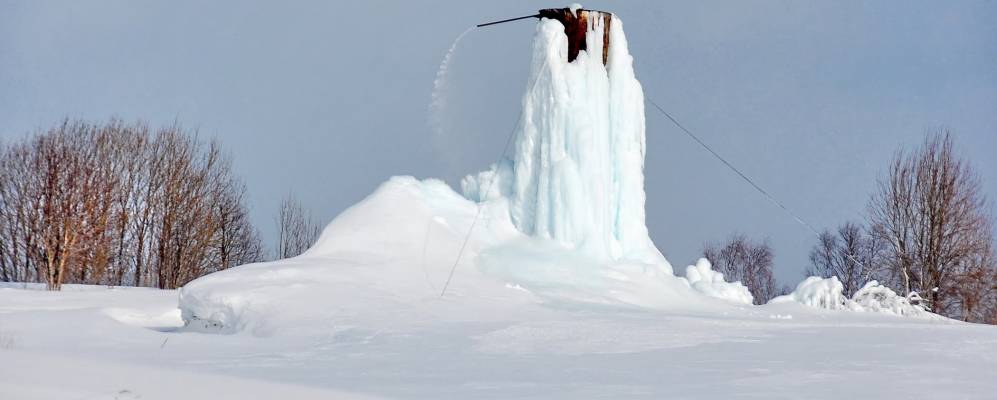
pixel 576 174
pixel 704 279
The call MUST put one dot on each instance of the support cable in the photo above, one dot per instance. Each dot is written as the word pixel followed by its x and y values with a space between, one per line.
pixel 751 182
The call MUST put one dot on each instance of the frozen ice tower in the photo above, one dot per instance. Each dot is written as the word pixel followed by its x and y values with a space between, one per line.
pixel 576 172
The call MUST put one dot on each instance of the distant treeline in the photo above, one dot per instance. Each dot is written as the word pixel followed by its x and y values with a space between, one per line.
pixel 120 204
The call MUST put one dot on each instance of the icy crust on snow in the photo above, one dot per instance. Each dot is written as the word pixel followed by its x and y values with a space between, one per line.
pixel 827 293
pixel 576 173
pixel 705 280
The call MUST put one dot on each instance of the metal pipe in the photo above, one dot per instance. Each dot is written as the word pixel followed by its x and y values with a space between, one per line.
pixel 508 20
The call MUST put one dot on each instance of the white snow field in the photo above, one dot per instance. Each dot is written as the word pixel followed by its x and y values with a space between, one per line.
pixel 559 293
pixel 353 337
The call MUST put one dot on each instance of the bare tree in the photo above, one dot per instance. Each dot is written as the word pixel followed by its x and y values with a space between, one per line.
pixel 934 218
pixel 992 317
pixel 974 290
pixel 739 259
pixel 17 194
pixel 297 229
pixel 236 240
pixel 850 254
pixel 66 176
pixel 133 157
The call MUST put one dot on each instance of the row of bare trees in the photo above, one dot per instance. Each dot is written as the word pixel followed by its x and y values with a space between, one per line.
pixel 120 204
pixel 929 231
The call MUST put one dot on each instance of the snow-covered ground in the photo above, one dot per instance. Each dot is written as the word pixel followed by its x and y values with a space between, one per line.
pixel 101 343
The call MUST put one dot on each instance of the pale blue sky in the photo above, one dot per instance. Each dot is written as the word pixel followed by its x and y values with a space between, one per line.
pixel 329 99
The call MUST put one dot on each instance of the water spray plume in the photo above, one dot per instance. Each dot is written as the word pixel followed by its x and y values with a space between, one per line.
pixel 438 102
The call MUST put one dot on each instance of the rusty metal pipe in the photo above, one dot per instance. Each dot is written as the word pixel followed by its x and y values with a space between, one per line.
pixel 576 25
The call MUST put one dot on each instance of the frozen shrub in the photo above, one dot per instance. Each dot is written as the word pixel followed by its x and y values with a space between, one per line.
pixel 705 280
pixel 878 298
pixel 826 293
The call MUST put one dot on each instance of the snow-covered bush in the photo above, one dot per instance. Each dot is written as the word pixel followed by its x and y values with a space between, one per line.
pixel 705 280
pixel 826 293
pixel 817 292
pixel 878 298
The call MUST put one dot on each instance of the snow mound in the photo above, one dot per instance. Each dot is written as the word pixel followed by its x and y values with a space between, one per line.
pixel 705 280
pixel 384 262
pixel 396 246
pixel 826 293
